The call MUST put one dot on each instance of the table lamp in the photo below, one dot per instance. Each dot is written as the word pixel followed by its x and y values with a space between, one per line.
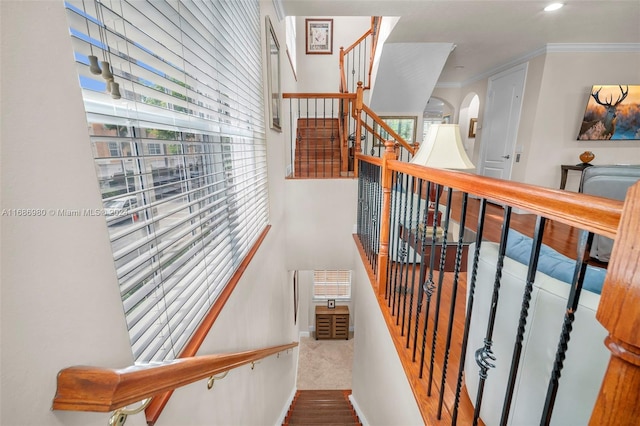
pixel 443 149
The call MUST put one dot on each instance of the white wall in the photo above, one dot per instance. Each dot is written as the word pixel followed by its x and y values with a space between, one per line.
pixel 556 93
pixel 259 313
pixel 380 387
pixel 60 299
pixel 316 72
pixel 563 95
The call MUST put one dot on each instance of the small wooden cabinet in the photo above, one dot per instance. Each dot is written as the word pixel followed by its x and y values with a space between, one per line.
pixel 332 323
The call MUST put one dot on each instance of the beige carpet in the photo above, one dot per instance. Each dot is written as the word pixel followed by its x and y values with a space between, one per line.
pixel 324 364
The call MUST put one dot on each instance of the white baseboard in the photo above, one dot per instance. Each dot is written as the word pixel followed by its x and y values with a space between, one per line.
pixel 361 416
pixel 285 409
pixel 305 334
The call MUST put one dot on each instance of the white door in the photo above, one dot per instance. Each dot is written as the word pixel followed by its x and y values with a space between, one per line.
pixel 501 119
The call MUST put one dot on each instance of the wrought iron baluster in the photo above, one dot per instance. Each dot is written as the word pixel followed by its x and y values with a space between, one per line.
pixel 416 241
pixel 423 283
pixel 394 245
pixel 429 285
pixel 443 255
pixel 454 293
pixel 524 313
pixel 470 299
pixel 584 247
pixel 402 252
pixel 484 355
pixel 409 236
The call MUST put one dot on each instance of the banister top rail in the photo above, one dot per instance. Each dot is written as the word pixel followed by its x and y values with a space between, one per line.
pixel 595 214
pixel 319 95
pixel 103 389
pixel 358 41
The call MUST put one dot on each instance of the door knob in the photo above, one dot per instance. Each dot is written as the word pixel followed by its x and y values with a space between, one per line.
pixel 506 157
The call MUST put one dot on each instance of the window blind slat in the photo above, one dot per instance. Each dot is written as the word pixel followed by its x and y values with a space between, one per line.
pixel 184 148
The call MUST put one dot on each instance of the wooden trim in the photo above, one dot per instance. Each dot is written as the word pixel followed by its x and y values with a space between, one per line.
pixel 358 41
pixel 383 254
pixel 619 312
pixel 103 389
pixel 159 401
pixel 596 214
pixel 319 95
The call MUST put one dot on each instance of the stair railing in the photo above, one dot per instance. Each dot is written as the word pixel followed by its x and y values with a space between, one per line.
pixel 98 389
pixel 422 286
pixel 355 128
pixel 356 61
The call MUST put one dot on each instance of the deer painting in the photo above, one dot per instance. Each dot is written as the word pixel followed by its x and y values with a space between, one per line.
pixel 605 127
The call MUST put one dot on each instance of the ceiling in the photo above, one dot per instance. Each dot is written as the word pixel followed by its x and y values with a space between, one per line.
pixel 489 35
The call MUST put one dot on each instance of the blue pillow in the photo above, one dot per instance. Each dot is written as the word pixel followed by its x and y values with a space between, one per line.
pixel 553 263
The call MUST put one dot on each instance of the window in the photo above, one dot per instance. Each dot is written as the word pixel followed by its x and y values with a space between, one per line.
pixel 180 157
pixel 405 127
pixel 332 285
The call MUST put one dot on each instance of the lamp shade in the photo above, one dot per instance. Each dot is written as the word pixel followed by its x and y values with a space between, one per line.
pixel 443 149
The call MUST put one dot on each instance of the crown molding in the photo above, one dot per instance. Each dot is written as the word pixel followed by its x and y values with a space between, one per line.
pixel 549 48
pixel 593 47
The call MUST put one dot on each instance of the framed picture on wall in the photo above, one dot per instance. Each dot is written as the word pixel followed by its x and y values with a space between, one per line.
pixel 319 36
pixel 473 126
pixel 273 77
pixel 612 113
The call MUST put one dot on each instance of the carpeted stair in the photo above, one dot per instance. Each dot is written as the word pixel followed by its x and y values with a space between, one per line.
pixel 321 407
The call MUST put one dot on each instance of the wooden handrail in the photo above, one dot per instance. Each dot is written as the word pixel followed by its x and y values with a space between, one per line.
pixel 319 95
pixel 103 389
pixel 357 42
pixel 596 214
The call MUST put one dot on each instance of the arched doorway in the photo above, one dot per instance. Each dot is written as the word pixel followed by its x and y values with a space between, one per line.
pixel 468 121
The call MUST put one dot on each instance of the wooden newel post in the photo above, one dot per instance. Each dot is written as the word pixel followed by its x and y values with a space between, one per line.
pixel 619 312
pixel 358 114
pixel 383 252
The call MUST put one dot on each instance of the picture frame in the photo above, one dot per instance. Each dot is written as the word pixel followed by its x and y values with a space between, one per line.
pixel 331 303
pixel 273 77
pixel 473 127
pixel 612 113
pixel 319 36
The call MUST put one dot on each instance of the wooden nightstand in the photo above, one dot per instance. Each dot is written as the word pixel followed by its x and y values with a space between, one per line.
pixel 332 323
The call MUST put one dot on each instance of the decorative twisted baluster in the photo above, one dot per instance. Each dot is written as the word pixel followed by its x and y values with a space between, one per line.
pixel 418 239
pixel 454 293
pixel 443 255
pixel 485 353
pixel 424 289
pixel 524 313
pixel 584 247
pixel 429 286
pixel 470 299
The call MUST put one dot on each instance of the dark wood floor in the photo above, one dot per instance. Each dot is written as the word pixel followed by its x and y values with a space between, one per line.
pixel 560 237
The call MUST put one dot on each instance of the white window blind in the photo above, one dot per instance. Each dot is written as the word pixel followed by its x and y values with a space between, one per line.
pixel 332 284
pixel 183 151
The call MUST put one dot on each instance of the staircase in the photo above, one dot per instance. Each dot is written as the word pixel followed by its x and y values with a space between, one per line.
pixel 321 407
pixel 317 148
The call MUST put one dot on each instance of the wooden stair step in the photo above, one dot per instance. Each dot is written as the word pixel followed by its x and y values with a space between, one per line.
pixel 323 420
pixel 317 122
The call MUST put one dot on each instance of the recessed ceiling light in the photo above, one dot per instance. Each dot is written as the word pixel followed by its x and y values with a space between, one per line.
pixel 553 6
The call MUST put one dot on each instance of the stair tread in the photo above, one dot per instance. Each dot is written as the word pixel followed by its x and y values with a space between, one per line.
pixel 322 407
